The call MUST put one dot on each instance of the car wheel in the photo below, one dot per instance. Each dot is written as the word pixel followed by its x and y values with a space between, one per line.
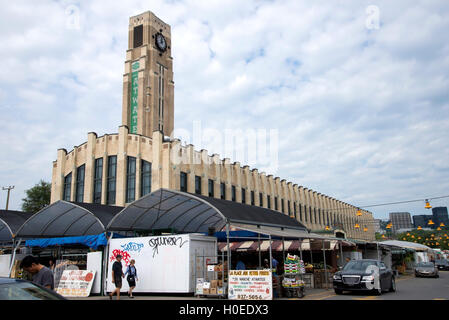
pixel 393 285
pixel 338 291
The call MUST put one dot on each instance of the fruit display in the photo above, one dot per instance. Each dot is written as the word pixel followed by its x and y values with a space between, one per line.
pixel 293 265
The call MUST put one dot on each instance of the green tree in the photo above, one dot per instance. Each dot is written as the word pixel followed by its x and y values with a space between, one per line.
pixel 37 197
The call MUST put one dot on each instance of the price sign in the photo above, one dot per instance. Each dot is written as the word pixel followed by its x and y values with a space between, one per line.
pixel 250 285
pixel 76 283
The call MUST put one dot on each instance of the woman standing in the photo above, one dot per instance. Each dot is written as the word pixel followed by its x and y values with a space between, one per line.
pixel 131 273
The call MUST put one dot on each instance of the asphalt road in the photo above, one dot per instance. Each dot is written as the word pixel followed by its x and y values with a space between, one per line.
pixel 408 288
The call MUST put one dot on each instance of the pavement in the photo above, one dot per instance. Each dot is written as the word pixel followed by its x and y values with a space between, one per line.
pixel 408 288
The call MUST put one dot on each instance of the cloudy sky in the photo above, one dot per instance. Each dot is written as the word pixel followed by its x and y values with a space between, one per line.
pixel 357 92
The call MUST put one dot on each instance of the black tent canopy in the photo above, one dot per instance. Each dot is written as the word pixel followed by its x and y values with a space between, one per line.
pixel 187 213
pixel 66 219
pixel 10 222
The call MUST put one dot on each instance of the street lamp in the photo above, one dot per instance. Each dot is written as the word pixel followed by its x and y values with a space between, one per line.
pixel 430 222
pixel 427 206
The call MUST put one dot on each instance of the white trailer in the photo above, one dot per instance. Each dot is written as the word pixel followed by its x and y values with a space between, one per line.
pixel 165 264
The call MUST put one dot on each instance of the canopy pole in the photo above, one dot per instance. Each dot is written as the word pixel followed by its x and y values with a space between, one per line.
pixel 283 249
pixel 378 253
pixel 271 256
pixel 311 254
pixel 13 256
pixel 341 253
pixel 325 267
pixel 229 249
pixel 105 264
pixel 300 248
pixel 260 253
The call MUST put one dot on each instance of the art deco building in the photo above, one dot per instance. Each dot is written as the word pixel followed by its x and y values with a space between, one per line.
pixel 118 168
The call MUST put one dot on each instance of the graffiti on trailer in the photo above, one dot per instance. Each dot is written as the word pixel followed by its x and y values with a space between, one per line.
pixel 132 246
pixel 155 243
pixel 125 256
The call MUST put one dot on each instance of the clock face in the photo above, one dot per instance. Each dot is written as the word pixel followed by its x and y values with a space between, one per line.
pixel 160 42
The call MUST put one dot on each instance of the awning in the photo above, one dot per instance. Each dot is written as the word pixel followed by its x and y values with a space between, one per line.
pixel 406 245
pixel 93 241
pixel 289 245
pixel 10 222
pixel 65 219
pixel 190 213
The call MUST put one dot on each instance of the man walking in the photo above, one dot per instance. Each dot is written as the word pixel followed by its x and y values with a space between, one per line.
pixel 117 275
pixel 41 274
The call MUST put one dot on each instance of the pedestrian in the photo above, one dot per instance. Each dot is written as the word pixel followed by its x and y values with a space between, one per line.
pixel 41 275
pixel 117 275
pixel 51 265
pixel 131 273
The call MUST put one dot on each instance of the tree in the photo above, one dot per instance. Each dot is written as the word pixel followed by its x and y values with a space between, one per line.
pixel 37 197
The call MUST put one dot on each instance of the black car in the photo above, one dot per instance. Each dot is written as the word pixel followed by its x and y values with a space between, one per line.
pixel 363 275
pixel 442 264
pixel 16 289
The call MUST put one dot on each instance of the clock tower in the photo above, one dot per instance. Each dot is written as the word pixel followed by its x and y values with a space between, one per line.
pixel 148 87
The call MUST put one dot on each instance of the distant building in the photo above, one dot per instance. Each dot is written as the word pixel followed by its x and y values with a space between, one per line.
pixel 400 220
pixel 439 215
pixel 421 220
pixel 378 226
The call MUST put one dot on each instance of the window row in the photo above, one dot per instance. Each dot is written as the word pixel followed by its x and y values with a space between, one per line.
pixel 111 181
pixel 306 214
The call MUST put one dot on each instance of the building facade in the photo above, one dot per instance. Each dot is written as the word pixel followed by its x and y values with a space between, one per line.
pixel 400 220
pixel 118 168
pixel 421 220
pixel 440 216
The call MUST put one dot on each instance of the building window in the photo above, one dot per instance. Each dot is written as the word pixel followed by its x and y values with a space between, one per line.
pixel 145 178
pixel 288 208
pixel 138 36
pixel 161 81
pixel 282 206
pixel 131 180
pixel 222 191
pixel 305 214
pixel 183 181
pixel 319 216
pixel 197 184
pixel 111 180
pixel 261 199
pixel 80 172
pixel 294 210
pixel 98 175
pixel 300 213
pixel 269 202
pixel 276 203
pixel 67 187
pixel 233 193
pixel 243 195
pixel 252 198
pixel 211 187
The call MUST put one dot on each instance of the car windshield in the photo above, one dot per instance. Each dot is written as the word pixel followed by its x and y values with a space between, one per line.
pixel 441 261
pixel 358 265
pixel 425 264
pixel 24 291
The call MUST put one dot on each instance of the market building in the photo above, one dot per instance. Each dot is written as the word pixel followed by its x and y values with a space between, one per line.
pixel 119 168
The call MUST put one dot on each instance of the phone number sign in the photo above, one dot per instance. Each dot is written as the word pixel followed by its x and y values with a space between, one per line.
pixel 250 285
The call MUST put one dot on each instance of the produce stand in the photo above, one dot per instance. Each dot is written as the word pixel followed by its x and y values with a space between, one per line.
pixel 293 283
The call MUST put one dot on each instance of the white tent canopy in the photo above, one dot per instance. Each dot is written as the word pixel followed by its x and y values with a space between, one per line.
pixel 406 245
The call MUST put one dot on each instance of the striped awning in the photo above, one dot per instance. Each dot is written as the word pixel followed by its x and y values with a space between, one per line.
pixel 289 245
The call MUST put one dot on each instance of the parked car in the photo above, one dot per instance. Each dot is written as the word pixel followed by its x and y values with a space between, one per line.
pixel 364 274
pixel 426 269
pixel 17 289
pixel 442 264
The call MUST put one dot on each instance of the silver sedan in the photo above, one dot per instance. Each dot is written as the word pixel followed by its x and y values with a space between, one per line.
pixel 426 269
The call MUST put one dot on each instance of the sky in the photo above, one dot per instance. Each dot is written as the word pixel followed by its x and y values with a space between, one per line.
pixel 356 93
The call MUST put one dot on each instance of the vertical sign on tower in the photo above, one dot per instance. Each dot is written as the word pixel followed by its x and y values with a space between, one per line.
pixel 134 97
